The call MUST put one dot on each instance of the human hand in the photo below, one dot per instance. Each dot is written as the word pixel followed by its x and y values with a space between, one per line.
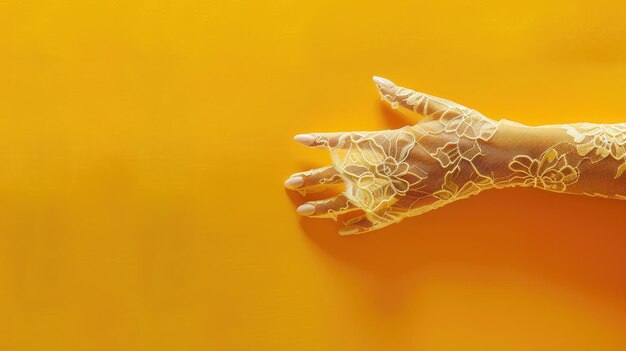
pixel 393 174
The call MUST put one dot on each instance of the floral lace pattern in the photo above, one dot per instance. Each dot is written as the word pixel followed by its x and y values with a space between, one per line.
pixel 549 172
pixel 375 167
pixel 600 141
pixel 452 154
pixel 452 191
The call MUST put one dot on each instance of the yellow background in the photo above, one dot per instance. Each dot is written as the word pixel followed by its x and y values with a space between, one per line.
pixel 143 146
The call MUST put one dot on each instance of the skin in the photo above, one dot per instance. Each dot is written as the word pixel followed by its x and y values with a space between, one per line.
pixel 455 152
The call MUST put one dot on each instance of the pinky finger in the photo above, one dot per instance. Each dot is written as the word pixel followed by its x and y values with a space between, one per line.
pixel 356 225
pixel 360 225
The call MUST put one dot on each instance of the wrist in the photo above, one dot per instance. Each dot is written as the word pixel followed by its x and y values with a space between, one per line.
pixel 519 155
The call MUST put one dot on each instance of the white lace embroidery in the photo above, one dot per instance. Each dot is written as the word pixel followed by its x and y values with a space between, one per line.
pixel 394 174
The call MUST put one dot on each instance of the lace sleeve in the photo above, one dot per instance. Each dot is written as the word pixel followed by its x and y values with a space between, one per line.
pixel 455 152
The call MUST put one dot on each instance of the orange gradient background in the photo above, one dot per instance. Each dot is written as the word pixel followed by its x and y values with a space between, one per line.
pixel 143 147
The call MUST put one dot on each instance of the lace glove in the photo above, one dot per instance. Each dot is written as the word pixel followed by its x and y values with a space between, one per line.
pixel 452 153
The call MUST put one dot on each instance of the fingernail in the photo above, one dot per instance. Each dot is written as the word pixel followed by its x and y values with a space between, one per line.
pixel 305 210
pixel 304 139
pixel 383 81
pixel 294 182
pixel 348 230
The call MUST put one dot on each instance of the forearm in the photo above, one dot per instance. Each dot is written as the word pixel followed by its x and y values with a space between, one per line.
pixel 575 158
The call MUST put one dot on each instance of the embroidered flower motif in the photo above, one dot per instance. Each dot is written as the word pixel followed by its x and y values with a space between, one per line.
pixel 606 139
pixel 378 170
pixel 451 191
pixel 472 125
pixel 469 127
pixel 551 172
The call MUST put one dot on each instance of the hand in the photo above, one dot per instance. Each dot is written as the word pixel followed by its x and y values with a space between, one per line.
pixel 393 174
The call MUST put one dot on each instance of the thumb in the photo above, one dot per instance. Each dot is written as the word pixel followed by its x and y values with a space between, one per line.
pixel 426 105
